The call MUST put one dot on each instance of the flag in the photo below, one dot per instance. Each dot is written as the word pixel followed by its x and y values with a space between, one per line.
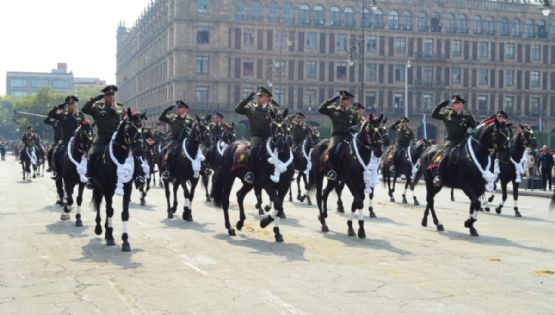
pixel 424 129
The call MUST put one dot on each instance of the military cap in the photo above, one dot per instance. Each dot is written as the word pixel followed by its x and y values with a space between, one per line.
pixel 110 89
pixel 502 114
pixel 29 127
pixel 405 119
pixel 299 114
pixel 358 106
pixel 71 99
pixel 262 91
pixel 345 94
pixel 181 104
pixel 457 99
pixel 219 115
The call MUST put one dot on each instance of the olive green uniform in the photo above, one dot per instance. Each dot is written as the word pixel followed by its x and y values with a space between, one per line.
pixel 107 119
pixel 298 133
pixel 456 125
pixel 259 119
pixel 341 121
pixel 216 131
pixel 68 122
pixel 177 125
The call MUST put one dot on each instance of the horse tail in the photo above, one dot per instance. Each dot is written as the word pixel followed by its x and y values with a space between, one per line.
pixel 223 175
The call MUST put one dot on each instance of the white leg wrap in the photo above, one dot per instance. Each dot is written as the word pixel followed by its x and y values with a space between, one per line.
pixel 273 213
pixel 360 215
pixel 370 204
pixel 78 209
pixel 109 222
pixel 125 226
pixel 515 203
pixel 405 192
pixel 351 215
pixel 475 215
pixel 277 221
pixel 187 203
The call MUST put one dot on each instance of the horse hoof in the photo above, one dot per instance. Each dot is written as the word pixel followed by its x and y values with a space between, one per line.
pixel 361 233
pixel 266 221
pixel 231 232
pixel 143 202
pixel 239 225
pixel 452 199
pixel 187 215
pixel 350 231
pixel 424 223
pixel 473 232
pixel 208 199
pixel 486 209
pixel 309 202
pixel 267 208
pixel 260 211
pixel 98 230
pixel 170 214
pixel 392 199
pixel 282 215
pixel 372 214
pixel 416 203
pixel 340 208
pixel 405 200
pixel 279 237
pixel 325 228
pixel 490 199
pixel 290 199
pixel 126 247
pixel 110 243
pixel 498 210
pixel 440 228
pixel 517 214
pixel 174 209
pixel 78 223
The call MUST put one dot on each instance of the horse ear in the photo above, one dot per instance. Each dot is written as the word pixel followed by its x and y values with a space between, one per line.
pixel 197 118
pixel 380 118
pixel 285 112
pixel 385 120
pixel 129 113
pixel 208 117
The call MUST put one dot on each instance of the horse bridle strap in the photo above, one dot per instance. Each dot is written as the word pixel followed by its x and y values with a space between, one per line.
pixel 196 163
pixel 279 166
pixel 80 167
pixel 487 175
pixel 307 158
pixel 370 174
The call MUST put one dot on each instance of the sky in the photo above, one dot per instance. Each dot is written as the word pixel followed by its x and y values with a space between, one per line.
pixel 37 34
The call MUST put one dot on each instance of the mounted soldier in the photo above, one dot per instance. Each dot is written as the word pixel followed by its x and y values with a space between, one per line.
pixel 258 112
pixel 217 128
pixel 179 122
pixel 29 140
pixel 107 115
pixel 298 130
pixel 359 109
pixel 344 121
pixel 405 137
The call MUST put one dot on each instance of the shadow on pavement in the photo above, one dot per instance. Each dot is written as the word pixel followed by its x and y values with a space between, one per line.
pixel 491 241
pixel 292 252
pixel 66 228
pixel 178 223
pixel 97 251
pixel 366 243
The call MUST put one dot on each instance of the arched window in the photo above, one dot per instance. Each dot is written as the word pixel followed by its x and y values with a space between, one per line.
pixel 378 16
pixel 477 24
pixel 462 25
pixel 422 22
pixel 256 11
pixel 530 32
pixel 450 23
pixel 406 21
pixel 490 25
pixel 349 17
pixel 504 26
pixel 335 16
pixel 515 27
pixel 367 22
pixel 318 13
pixel 435 22
pixel 288 13
pixel 240 10
pixel 273 12
pixel 393 20
pixel 542 29
pixel 304 14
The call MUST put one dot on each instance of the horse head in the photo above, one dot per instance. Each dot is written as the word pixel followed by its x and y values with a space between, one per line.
pixel 528 136
pixel 200 131
pixel 373 133
pixel 84 136
pixel 494 135
pixel 228 136
pixel 131 127
pixel 279 127
pixel 313 136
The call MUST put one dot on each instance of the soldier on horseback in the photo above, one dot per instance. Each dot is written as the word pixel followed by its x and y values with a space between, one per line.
pixel 68 121
pixel 217 127
pixel 57 137
pixel 29 140
pixel 107 115
pixel 179 122
pixel 359 109
pixel 258 113
pixel 457 122
pixel 405 137
pixel 298 130
pixel 344 121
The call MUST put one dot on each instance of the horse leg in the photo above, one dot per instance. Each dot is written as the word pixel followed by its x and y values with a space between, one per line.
pixel 452 194
pixel 125 246
pixel 405 191
pixel 78 221
pixel 270 190
pixel 299 196
pixel 206 182
pixel 306 195
pixel 241 193
pixel 187 216
pixel 416 203
pixel 325 194
pixel 319 185
pixel 168 196
pixel 503 197
pixel 515 199
pixel 338 190
pixel 69 200
pixel 431 191
pixel 194 183
pixel 278 206
pixel 60 190
pixel 225 205
pixel 370 207
pixel 143 195
pixel 175 188
pixel 473 212
pixel 259 201
pixel 109 236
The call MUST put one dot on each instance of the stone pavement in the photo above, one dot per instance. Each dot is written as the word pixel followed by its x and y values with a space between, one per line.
pixel 52 267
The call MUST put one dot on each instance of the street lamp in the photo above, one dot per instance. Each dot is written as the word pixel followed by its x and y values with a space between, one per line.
pixel 374 6
pixel 407 67
pixel 546 8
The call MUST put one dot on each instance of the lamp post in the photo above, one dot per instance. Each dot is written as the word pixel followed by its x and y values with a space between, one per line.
pixel 407 67
pixel 546 7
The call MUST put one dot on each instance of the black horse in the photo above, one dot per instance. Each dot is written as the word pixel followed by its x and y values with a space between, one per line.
pixel 114 175
pixel 71 167
pixel 406 164
pixel 511 170
pixel 29 162
pixel 214 153
pixel 302 163
pixel 357 167
pixel 471 172
pixel 274 172
pixel 187 167
pixel 147 163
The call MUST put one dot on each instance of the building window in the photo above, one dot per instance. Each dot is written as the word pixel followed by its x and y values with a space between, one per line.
pixel 427 103
pixel 534 79
pixel 399 74
pixel 39 83
pixel 201 93
pixel 462 25
pixel 341 44
pixel 240 10
pixel 398 102
pixel 400 47
pixel 422 22
pixel 248 68
pixel 288 13
pixel 310 70
pixel 203 36
pixel 372 44
pixel 483 76
pixel 349 17
pixel 428 47
pixel 435 22
pixel 341 72
pixel 483 105
pixel 371 72
pixel 477 24
pixel 535 106
pixel 504 26
pixel 536 53
pixel 456 50
pixel 304 14
pixel 553 29
pixel 274 12
pixel 450 23
pixel 515 27
pixel 245 92
pixel 490 26
pixel 428 74
pixel 542 30
pixel 484 50
pixel 406 21
pixel 18 83
pixel 202 6
pixel 278 95
pixel 311 41
pixel 508 105
pixel 318 15
pixel 366 21
pixel 248 38
pixel 393 20
pixel 335 16
pixel 530 31
pixel 281 39
pixel 509 78
pixel 60 84
pixel 370 101
pixel 202 65
pixel 510 51
pixel 255 11
pixel 456 75
pixel 309 98
pixel 378 16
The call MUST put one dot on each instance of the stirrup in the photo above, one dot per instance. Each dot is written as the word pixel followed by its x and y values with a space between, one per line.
pixel 437 181
pixel 331 175
pixel 249 178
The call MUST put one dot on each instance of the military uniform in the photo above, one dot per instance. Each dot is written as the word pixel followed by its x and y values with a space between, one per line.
pixel 404 136
pixel 216 131
pixel 178 125
pixel 68 122
pixel 57 137
pixel 298 133
pixel 29 140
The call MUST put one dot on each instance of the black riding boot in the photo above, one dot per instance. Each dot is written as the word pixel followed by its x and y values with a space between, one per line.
pixel 249 175
pixel 332 157
pixel 91 171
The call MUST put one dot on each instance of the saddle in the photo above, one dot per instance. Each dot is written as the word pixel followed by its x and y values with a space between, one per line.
pixel 450 154
pixel 325 156
pixel 240 157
